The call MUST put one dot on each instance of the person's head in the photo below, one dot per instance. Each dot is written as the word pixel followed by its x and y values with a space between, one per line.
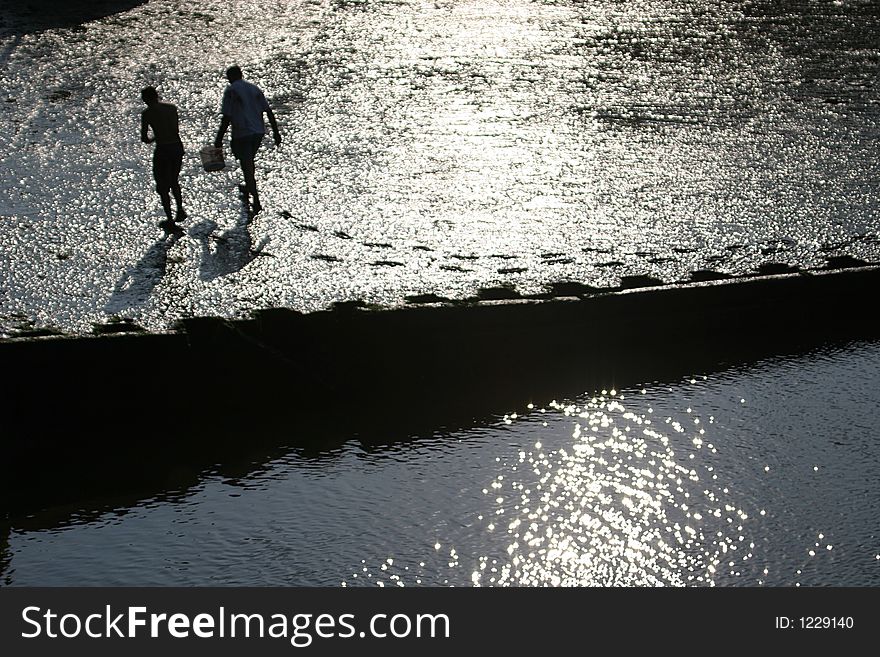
pixel 149 95
pixel 233 73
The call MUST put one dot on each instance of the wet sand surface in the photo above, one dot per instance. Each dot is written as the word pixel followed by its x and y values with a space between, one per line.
pixel 430 149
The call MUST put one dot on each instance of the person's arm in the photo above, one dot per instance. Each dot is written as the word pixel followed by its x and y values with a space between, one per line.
pixel 275 133
pixel 144 136
pixel 224 124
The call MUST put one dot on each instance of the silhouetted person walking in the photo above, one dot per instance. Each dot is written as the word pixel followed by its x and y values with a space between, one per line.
pixel 168 154
pixel 243 108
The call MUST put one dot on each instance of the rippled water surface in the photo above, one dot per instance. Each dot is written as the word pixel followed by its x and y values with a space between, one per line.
pixel 762 475
pixel 431 147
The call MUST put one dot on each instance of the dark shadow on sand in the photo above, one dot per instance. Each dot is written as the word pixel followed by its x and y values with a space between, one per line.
pixel 230 251
pixel 139 280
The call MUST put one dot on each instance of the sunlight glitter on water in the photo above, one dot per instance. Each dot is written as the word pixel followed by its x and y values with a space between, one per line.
pixel 616 506
pixel 756 476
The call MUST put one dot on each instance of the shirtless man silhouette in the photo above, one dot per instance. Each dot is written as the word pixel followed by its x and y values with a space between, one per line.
pixel 168 155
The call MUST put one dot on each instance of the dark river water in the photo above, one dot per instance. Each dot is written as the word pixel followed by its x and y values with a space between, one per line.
pixel 763 474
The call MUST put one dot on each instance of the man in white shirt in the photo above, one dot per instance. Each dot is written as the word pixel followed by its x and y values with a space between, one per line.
pixel 243 107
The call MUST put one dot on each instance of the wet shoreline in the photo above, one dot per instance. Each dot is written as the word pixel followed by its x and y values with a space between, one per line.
pixel 281 362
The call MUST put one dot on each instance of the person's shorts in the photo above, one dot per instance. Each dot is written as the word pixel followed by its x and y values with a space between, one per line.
pixel 167 160
pixel 245 148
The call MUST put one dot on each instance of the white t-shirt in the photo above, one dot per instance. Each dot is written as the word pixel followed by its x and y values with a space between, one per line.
pixel 244 104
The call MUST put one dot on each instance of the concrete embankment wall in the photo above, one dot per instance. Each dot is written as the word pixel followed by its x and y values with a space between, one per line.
pixel 437 358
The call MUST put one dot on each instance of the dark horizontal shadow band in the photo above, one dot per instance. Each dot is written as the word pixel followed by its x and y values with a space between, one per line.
pixel 219 385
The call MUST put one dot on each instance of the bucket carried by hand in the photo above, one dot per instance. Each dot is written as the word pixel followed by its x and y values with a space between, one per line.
pixel 212 158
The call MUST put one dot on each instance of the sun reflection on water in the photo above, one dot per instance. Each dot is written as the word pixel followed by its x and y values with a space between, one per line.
pixel 614 508
pixel 626 500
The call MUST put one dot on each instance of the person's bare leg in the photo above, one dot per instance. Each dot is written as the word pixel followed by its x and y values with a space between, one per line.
pixel 250 182
pixel 166 202
pixel 178 198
